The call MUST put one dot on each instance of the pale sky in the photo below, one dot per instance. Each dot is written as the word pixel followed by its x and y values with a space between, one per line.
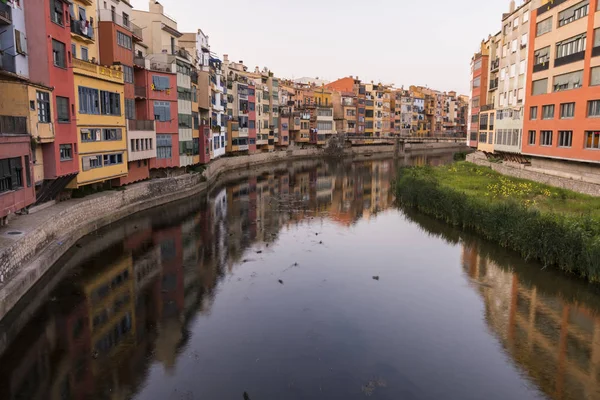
pixel 405 42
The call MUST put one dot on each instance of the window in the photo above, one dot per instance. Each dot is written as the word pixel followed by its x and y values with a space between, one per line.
pixel 570 46
pixel 596 37
pixel 123 40
pixel 514 46
pixel 565 138
pixel 162 111
pixel 164 146
pixel 20 42
pixel 513 70
pixel 110 103
pixel 524 38
pixel 11 174
pixel 185 69
pixel 91 162
pixel 541 56
pixel 74 50
pixel 548 111
pixel 56 12
pixel 544 26
pixel 483 122
pixel 533 113
pixel 160 82
pixel 567 110
pixel 62 109
pixel 90 135
pixel 525 16
pixel 477 65
pixel 66 152
pixel 113 159
pixel 184 94
pixel 43 104
pixel 251 125
pixel 491 121
pixel 532 135
pixel 522 68
pixel 84 53
pixel 516 23
pixel 573 13
pixel 112 134
pixel 594 108
pixel 477 82
pixel 125 20
pixel 475 102
pixel 592 140
pixel 595 76
pixel 88 100
pixel 58 54
pixel 546 138
pixel 127 74
pixel 540 87
pixel 185 121
pixel 129 108
pixel 571 80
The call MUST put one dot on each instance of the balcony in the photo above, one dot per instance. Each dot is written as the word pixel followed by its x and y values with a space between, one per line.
pixel 549 6
pixel 140 92
pixel 84 29
pixel 571 58
pixel 13 125
pixel 495 65
pixel 486 107
pixel 139 62
pixel 97 71
pixel 5 14
pixel 493 85
pixel 140 125
pixel 541 66
pixel 177 51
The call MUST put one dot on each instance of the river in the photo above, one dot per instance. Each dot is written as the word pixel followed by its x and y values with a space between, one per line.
pixel 300 281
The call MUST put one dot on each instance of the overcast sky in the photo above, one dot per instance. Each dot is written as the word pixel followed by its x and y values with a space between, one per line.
pixel 403 42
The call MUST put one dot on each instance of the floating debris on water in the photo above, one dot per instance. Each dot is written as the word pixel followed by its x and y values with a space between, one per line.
pixel 376 277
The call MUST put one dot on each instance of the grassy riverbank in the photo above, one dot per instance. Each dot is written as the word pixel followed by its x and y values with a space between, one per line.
pixel 556 226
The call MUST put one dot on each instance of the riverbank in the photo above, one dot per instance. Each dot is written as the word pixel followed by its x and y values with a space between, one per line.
pixel 553 225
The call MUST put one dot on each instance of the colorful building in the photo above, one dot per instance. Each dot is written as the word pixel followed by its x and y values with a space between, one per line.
pixel 563 84
pixel 50 64
pixel 479 84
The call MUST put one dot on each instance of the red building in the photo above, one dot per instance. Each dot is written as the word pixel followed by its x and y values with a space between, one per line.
pixel 16 188
pixel 156 99
pixel 49 52
pixel 251 118
pixel 479 84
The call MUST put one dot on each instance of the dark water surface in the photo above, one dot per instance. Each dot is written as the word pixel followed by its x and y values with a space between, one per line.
pixel 267 285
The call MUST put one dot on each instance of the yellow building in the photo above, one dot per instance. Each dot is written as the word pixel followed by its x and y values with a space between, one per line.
pixel 101 140
pixel 21 98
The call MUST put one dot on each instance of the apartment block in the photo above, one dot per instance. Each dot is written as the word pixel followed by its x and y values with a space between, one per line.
pixel 479 84
pixel 563 85
pixel 219 117
pixel 48 28
pixel 322 122
pixel 239 107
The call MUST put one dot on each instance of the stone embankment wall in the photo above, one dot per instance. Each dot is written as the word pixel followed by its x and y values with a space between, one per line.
pixel 549 177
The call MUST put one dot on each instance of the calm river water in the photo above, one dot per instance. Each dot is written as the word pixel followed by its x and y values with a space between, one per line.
pixel 300 281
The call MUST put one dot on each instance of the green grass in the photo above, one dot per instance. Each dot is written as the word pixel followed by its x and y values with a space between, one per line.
pixel 553 225
pixel 483 182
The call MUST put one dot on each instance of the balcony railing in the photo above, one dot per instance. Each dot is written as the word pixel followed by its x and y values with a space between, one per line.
pixel 140 125
pixel 495 65
pixel 177 51
pixel 13 125
pixel 569 59
pixel 549 6
pixel 139 61
pixel 5 14
pixel 110 15
pixel 83 28
pixel 487 107
pixel 140 91
pixel 493 85
pixel 541 66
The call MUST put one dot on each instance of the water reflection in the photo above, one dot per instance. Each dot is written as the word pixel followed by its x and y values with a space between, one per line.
pixel 130 300
pixel 548 323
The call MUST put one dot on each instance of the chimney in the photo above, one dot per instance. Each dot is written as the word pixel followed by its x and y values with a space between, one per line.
pixel 512 6
pixel 155 7
pixel 225 58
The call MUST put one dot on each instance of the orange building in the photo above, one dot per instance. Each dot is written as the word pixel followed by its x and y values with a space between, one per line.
pixel 563 82
pixel 479 84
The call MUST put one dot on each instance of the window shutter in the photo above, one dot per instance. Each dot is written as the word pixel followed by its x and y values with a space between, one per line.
pixel 23 42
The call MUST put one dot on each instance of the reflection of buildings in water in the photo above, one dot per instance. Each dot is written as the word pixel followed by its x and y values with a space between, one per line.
pixel 555 341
